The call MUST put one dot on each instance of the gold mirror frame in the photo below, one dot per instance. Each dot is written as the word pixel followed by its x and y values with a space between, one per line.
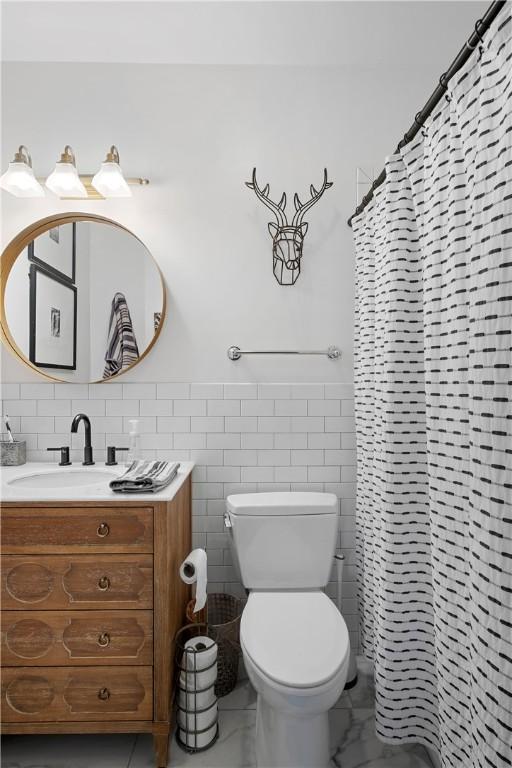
pixel 18 245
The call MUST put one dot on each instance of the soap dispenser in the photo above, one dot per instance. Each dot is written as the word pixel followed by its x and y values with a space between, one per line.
pixel 133 450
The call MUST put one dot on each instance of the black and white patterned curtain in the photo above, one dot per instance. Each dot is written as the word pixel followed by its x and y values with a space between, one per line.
pixel 433 377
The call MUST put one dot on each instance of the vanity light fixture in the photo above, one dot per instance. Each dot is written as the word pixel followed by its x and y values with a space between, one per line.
pixel 109 181
pixel 64 181
pixel 19 178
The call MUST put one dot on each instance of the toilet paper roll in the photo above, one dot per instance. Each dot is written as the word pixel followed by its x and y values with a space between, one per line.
pixel 193 571
pixel 190 700
pixel 199 663
pixel 198 721
pixel 198 740
pixel 202 684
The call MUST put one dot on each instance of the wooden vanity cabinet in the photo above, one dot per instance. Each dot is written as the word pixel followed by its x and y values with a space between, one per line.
pixel 91 603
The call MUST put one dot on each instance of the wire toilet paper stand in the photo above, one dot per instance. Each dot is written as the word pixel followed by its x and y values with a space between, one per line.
pixel 196 701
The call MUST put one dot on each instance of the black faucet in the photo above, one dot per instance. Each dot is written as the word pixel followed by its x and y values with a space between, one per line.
pixel 88 460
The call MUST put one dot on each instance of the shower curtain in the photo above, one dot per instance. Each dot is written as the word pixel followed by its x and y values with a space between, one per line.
pixel 433 359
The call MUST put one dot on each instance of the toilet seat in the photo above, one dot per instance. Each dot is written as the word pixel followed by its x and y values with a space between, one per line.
pixel 296 639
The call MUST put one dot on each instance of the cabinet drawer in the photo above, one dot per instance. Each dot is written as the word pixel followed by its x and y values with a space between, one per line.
pixel 65 530
pixel 56 694
pixel 81 581
pixel 43 638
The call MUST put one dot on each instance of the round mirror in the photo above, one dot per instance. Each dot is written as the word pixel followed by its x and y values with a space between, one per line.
pixel 83 300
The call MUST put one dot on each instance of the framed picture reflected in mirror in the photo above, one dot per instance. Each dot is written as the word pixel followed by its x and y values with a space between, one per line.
pixel 55 251
pixel 52 320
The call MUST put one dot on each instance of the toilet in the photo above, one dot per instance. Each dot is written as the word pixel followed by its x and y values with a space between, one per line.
pixel 294 640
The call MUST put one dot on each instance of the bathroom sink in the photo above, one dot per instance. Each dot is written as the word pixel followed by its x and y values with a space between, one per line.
pixel 63 478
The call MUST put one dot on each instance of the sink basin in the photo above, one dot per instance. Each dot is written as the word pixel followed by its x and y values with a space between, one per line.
pixel 63 478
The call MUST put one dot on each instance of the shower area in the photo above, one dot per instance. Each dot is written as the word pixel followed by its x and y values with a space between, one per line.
pixel 433 389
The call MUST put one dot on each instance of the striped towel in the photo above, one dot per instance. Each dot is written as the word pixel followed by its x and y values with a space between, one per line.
pixel 122 349
pixel 145 477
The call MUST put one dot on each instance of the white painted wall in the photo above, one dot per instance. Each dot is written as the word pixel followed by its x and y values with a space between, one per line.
pixel 196 129
pixel 196 133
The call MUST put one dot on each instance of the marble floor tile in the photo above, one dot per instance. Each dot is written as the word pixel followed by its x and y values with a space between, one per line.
pixel 234 748
pixel 76 751
pixel 354 744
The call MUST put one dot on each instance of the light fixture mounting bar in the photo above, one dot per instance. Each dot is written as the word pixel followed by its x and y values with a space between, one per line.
pixel 93 194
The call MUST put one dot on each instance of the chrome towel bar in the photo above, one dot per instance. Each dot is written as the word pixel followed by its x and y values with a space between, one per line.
pixel 235 353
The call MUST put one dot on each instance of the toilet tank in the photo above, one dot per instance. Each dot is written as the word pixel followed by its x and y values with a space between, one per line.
pixel 283 540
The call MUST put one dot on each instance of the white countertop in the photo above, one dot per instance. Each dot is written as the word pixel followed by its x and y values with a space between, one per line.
pixel 97 491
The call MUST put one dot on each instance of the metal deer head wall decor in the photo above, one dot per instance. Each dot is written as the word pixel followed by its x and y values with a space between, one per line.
pixel 287 238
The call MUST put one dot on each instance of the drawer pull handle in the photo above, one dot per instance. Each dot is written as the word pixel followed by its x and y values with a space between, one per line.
pixel 104 639
pixel 104 694
pixel 103 530
pixel 104 583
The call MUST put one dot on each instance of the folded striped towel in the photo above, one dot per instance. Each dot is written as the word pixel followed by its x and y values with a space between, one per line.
pixel 145 477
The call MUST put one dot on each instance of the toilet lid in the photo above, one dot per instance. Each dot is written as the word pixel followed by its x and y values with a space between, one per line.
pixel 298 639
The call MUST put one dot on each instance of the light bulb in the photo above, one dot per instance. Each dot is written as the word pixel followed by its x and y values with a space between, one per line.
pixel 109 181
pixel 64 181
pixel 19 178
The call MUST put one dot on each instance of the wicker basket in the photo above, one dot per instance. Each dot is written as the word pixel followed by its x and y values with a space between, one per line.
pixel 222 614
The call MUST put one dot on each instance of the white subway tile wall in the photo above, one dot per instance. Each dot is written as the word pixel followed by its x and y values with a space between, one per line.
pixel 242 437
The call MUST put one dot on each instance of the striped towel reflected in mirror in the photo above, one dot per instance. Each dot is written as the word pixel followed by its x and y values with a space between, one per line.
pixel 145 476
pixel 122 349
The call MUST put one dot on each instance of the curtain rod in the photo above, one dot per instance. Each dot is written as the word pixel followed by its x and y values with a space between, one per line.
pixel 481 27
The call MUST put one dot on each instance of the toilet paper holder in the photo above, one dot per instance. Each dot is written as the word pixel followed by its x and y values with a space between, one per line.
pixel 196 701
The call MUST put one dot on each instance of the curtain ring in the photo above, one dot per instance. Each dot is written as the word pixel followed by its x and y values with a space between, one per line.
pixel 404 141
pixel 444 84
pixel 477 33
pixel 420 123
